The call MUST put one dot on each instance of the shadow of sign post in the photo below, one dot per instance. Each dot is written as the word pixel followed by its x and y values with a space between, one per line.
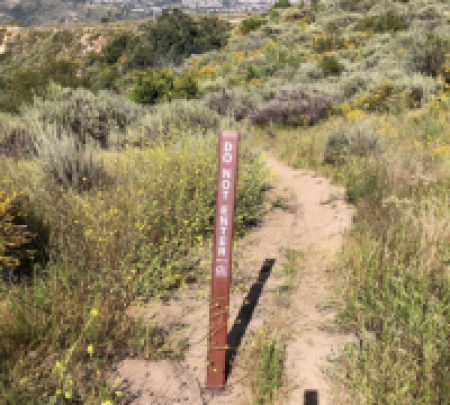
pixel 222 259
pixel 245 314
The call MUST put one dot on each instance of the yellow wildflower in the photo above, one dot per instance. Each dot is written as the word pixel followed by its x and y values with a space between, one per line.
pixel 441 149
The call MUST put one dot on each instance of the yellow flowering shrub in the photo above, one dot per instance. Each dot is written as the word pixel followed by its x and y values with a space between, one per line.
pixel 237 56
pixel 13 235
pixel 371 102
pixel 329 42
pixel 209 70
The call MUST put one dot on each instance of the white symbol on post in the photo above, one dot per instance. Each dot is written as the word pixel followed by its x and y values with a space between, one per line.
pixel 226 183
pixel 227 156
pixel 221 270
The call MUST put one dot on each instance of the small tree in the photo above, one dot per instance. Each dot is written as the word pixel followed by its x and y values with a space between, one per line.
pixel 282 4
pixel 250 24
pixel 116 48
pixel 315 4
pixel 162 85
pixel 331 66
pixel 428 55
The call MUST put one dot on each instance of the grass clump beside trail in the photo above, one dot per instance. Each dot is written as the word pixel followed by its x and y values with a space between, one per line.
pixel 263 357
pixel 269 371
pixel 117 221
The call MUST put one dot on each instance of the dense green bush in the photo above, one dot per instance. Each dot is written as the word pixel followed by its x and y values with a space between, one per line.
pixel 130 51
pixel 169 39
pixel 140 55
pixel 175 35
pixel 428 54
pixel 390 21
pixel 107 78
pixel 331 66
pixel 63 37
pixel 116 48
pixel 250 24
pixel 253 73
pixel 328 42
pixel 154 86
pixel 19 87
pixel 281 4
pixel 356 5
pixel 274 14
pixel 315 5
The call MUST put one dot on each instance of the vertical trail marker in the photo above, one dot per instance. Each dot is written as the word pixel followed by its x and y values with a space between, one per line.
pixel 222 259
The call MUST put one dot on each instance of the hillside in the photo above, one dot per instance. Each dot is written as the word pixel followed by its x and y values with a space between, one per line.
pixel 108 146
pixel 343 54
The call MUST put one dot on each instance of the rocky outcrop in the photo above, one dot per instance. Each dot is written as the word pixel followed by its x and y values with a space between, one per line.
pixel 10 35
pixel 93 43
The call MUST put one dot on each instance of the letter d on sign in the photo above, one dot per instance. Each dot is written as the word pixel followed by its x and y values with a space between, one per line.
pixel 222 259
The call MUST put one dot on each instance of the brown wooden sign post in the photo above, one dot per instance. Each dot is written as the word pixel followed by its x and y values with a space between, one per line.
pixel 222 259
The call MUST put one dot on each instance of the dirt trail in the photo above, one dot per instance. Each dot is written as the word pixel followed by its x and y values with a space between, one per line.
pixel 312 221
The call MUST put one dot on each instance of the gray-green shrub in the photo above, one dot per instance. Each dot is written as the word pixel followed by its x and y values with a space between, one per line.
pixel 235 103
pixel 15 138
pixel 68 162
pixel 428 54
pixel 293 107
pixel 171 122
pixel 358 140
pixel 85 115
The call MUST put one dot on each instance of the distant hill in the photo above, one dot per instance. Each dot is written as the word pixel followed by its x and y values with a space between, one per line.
pixel 35 12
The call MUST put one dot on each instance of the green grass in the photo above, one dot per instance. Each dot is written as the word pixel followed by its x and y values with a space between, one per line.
pixel 269 370
pixel 289 272
pixel 281 202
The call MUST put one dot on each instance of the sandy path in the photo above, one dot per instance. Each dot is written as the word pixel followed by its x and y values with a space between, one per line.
pixel 308 224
